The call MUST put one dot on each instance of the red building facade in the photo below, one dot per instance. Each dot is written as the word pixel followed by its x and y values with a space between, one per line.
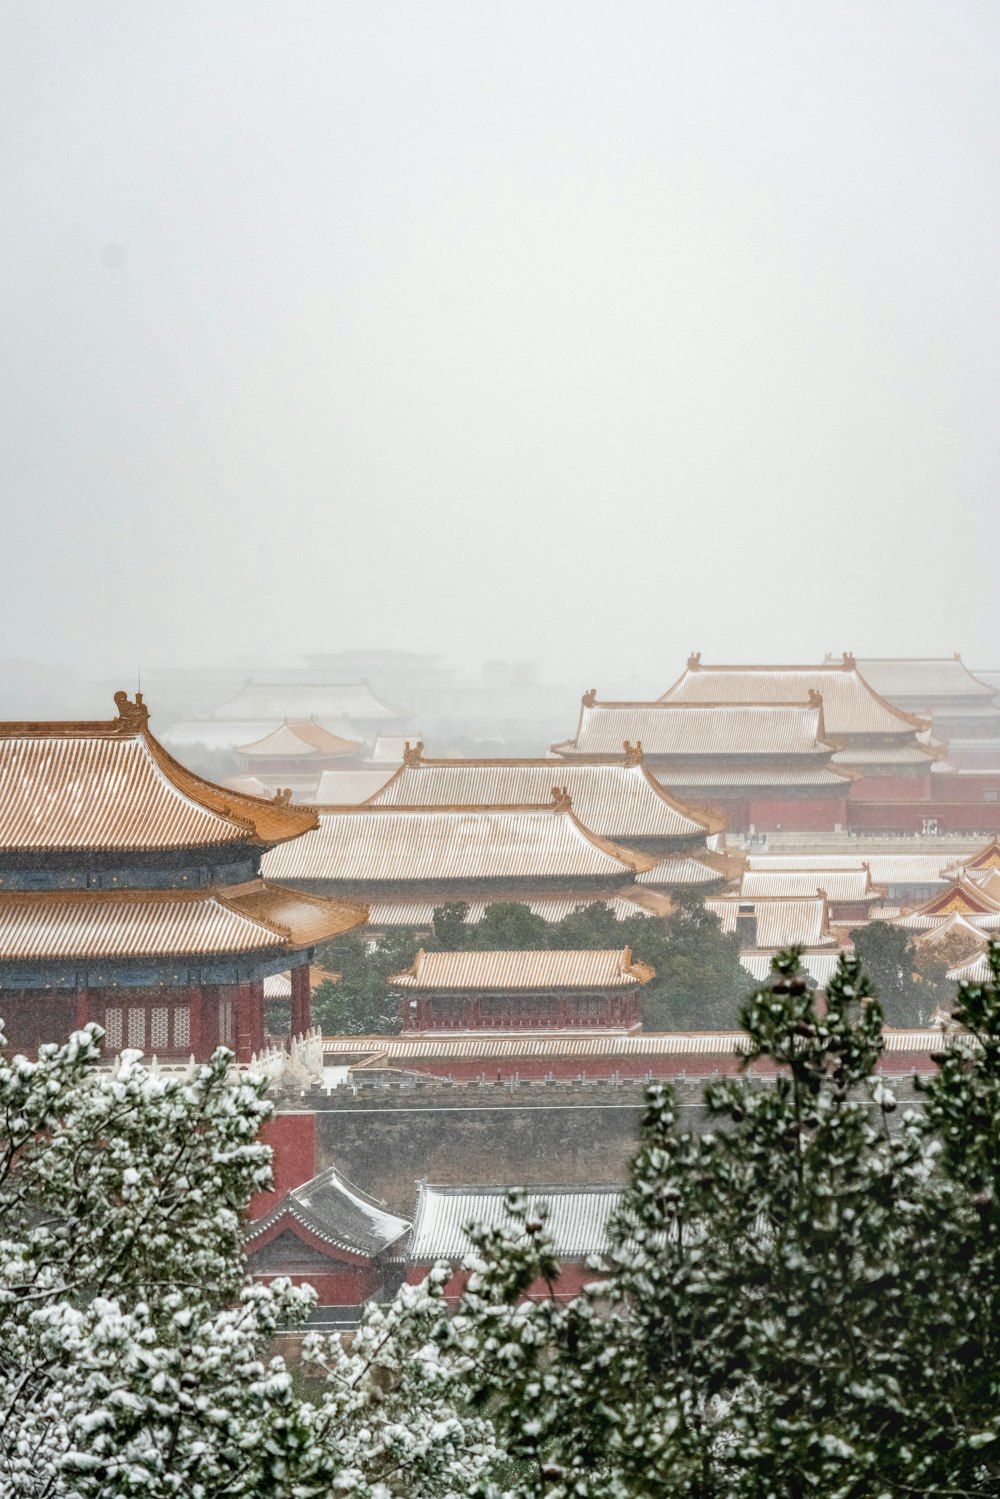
pixel 522 990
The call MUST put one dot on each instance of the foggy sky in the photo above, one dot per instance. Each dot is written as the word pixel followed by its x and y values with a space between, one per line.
pixel 591 333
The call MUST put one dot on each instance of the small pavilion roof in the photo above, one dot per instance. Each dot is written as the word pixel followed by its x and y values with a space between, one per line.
pixel 401 844
pixel 983 859
pixel 850 704
pixel 962 896
pixel 955 925
pixel 838 885
pixel 577 1219
pixel 111 785
pixel 709 729
pixel 923 677
pixel 300 737
pixel 782 920
pixel 548 968
pixel 615 798
pixel 275 702
pixel 336 1213
pixel 60 925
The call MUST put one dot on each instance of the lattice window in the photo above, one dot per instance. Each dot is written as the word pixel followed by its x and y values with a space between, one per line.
pixel 182 1026
pixel 137 1028
pixel 112 1028
pixel 159 1030
pixel 226 1022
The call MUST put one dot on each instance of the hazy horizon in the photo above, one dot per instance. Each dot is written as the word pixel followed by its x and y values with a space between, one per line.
pixel 585 334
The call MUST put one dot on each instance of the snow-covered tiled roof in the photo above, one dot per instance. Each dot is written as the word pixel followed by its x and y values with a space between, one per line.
pixel 397 844
pixel 547 968
pixel 701 729
pixel 614 800
pixel 628 1047
pixel 923 677
pixel 838 885
pixel 349 788
pixel 850 704
pixel 273 702
pixel 782 921
pixel 83 786
pixel 576 1223
pixel 820 966
pixel 336 1212
pixel 40 926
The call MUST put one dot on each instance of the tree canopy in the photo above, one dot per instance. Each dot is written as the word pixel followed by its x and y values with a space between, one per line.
pixel 797 1300
pixel 800 1296
pixel 699 982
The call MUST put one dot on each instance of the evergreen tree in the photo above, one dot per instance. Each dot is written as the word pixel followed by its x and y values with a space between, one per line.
pixel 360 1003
pixel 134 1356
pixel 797 1302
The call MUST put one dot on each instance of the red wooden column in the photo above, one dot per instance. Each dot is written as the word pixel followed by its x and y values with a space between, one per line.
pixel 82 1008
pixel 244 1021
pixel 301 1000
pixel 196 1021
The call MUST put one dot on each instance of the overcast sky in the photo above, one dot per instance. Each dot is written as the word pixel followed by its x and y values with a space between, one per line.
pixel 593 333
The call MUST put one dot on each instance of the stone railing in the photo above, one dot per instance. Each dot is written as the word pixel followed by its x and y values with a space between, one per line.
pixel 301 1062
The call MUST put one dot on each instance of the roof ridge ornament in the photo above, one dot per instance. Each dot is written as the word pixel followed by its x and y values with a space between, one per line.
pixel 282 796
pixel 133 717
pixel 815 698
pixel 413 753
pixel 850 661
pixel 694 661
pixel 633 752
pixel 561 799
pixel 589 698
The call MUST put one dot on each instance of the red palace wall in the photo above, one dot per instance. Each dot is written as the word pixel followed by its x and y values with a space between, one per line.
pixel 900 817
pixel 949 789
pixel 570 1282
pixel 891 789
pixel 570 1068
pixel 348 1286
pixel 819 814
pixel 292 1138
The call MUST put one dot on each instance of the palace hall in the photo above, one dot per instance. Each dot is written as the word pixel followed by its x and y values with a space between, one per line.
pixel 131 894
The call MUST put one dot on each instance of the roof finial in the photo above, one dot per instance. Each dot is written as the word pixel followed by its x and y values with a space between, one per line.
pixel 694 661
pixel 283 796
pixel 413 752
pixel 561 799
pixel 132 717
pixel 815 698
pixel 850 663
pixel 589 698
pixel 633 752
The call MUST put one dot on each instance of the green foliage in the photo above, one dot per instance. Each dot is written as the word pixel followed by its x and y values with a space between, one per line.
pixel 135 1358
pixel 360 1004
pixel 798 1301
pixel 450 930
pixel 699 982
pixel 507 925
pixel 910 985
